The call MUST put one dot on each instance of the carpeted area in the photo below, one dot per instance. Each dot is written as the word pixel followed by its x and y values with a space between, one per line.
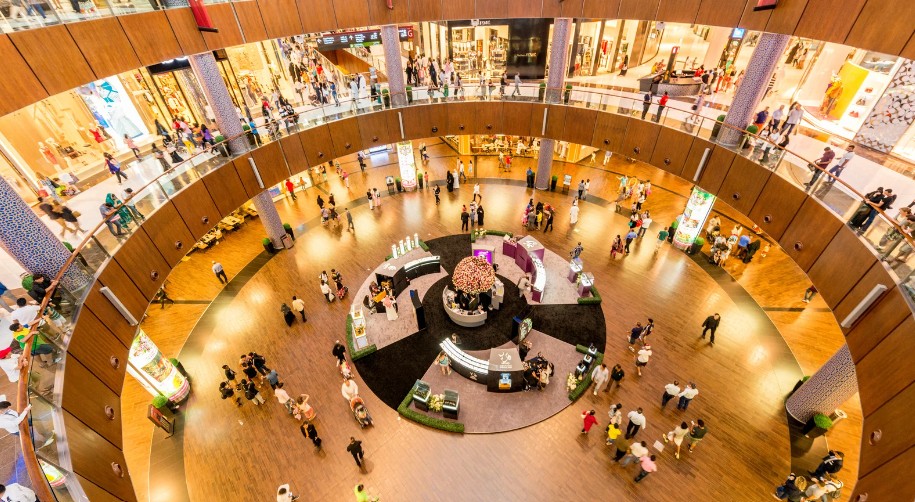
pixel 391 371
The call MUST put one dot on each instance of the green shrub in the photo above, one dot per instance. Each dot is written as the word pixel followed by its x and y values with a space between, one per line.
pixel 266 241
pixel 594 299
pixel 700 241
pixel 350 342
pixel 174 361
pixel 423 245
pixel 586 381
pixel 822 421
pixel 423 419
pixel 555 178
pixel 219 139
pixel 287 227
pixel 500 233
pixel 160 402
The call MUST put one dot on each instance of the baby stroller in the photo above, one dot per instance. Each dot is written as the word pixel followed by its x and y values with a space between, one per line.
pixel 360 412
pixel 341 293
pixel 288 316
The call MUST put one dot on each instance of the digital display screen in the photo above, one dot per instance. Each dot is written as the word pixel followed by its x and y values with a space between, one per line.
pixel 483 253
pixel 738 32
pixel 350 39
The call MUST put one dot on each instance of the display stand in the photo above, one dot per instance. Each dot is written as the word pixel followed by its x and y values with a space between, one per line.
pixel 506 370
pixel 418 310
pixel 575 268
pixel 360 341
pixel 584 286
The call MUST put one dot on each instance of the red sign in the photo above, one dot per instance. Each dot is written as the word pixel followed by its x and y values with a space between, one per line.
pixel 204 23
pixel 765 4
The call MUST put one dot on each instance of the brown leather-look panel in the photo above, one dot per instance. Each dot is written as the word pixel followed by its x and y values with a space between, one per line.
pixel 144 264
pixel 456 9
pixel 225 186
pixel 250 20
pixel 875 486
pixel 678 11
pixel 20 87
pixel 785 18
pixel 151 36
pixel 840 266
pixel 909 51
pixel 638 9
pixel 879 273
pixel 609 131
pixel 720 12
pixel 96 347
pixel 776 206
pixel 809 233
pixel 555 121
pixel 345 136
pixel 755 20
pixel 87 398
pixel 245 173
pixel 280 18
pixel 883 26
pixel 813 24
pixel 270 163
pixel 317 145
pixel 93 457
pixel 95 492
pixel 374 129
pixel 380 14
pixel 579 125
pixel 502 9
pixel 229 34
pixel 696 151
pixel 197 209
pixel 894 421
pixel 671 150
pixel 716 169
pixel 640 139
pixel 424 10
pixel 316 15
pixel 351 13
pixel 115 278
pixel 516 119
pixel 294 154
pixel 883 316
pixel 185 29
pixel 601 9
pixel 166 229
pixel 60 69
pixel 744 182
pixel 104 45
pixel 887 370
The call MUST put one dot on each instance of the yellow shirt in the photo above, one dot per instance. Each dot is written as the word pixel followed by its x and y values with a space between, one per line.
pixel 613 433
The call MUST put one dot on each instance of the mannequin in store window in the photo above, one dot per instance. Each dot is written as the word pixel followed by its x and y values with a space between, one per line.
pixel 833 93
pixel 49 156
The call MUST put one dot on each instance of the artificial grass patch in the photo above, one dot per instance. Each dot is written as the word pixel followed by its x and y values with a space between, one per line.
pixel 594 299
pixel 421 244
pixel 586 381
pixel 423 419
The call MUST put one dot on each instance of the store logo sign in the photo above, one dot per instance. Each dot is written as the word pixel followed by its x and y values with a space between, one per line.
pixel 480 22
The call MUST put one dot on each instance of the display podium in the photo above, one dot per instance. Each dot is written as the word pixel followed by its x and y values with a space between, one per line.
pixel 506 371
pixel 418 310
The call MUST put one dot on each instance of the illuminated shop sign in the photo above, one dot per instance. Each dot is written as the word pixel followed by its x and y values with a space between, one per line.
pixel 698 207
pixel 350 39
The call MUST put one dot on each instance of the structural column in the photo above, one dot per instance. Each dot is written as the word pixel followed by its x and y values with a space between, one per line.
pixel 217 94
pixel 31 243
pixel 270 218
pixel 833 384
pixel 393 64
pixel 555 80
pixel 762 65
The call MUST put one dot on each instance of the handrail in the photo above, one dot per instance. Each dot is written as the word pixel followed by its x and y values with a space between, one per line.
pixel 551 95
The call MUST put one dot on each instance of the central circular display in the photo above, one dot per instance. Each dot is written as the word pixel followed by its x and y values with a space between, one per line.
pixel 474 275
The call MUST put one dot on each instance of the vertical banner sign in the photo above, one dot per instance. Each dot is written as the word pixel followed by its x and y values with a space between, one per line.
pixel 204 23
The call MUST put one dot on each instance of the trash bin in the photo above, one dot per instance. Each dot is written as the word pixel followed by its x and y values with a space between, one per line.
pixel 451 404
pixel 390 182
pixel 421 395
pixel 287 241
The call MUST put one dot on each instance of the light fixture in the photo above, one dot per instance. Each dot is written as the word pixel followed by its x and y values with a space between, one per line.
pixel 131 320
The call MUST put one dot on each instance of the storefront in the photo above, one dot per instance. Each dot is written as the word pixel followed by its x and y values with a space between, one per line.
pixel 176 87
pixel 500 46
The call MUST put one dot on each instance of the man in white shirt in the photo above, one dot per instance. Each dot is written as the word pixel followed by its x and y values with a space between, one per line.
pixel 670 390
pixel 600 376
pixel 9 419
pixel 220 272
pixel 284 494
pixel 26 313
pixel 794 118
pixel 776 118
pixel 16 493
pixel 283 397
pixel 299 306
pixel 636 421
pixel 687 395
pixel 842 163
pixel 636 451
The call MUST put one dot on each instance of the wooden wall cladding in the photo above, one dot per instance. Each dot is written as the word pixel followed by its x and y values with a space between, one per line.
pixel 601 9
pixel 609 130
pixel 380 14
pixel 640 139
pixel 60 69
pixel 374 129
pixel 93 456
pixel 501 9
pixel 786 17
pixel 696 152
pixel 197 209
pixel 716 169
pixel 280 18
pixel 840 266
pixel 813 24
pixel 185 29
pixel 887 370
pixel 671 150
pixel 94 346
pixel 884 316
pixel 885 483
pixel 579 125
pixel 638 9
pixel 225 187
pixel 720 12
pixel 166 229
pixel 270 163
pixel 809 233
pixel 461 119
pixel 776 206
pixel 294 154
pixel 116 279
pixel 95 492
pixel 894 421
pixel 351 13
pixel 249 183
pixel 90 400
pixel 345 136
pixel 678 11
pixel 144 264
pixel 20 87
pixel 229 34
pixel 425 10
pixel 909 51
pixel 317 145
pixel 316 15
pixel 878 274
pixel 104 45
pixel 456 9
pixel 151 36
pixel 883 26
pixel 516 119
pixel 743 184
pixel 250 20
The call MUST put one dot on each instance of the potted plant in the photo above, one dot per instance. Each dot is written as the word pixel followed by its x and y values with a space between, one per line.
pixel 386 97
pixel 541 91
pixel 717 127
pixel 697 245
pixel 268 245
pixel 397 182
pixel 410 94
pixel 419 179
pixel 177 364
pixel 162 403
pixel 288 228
pixel 818 425
pixel 798 384
pixel 568 94
pixel 751 131
pixel 553 181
